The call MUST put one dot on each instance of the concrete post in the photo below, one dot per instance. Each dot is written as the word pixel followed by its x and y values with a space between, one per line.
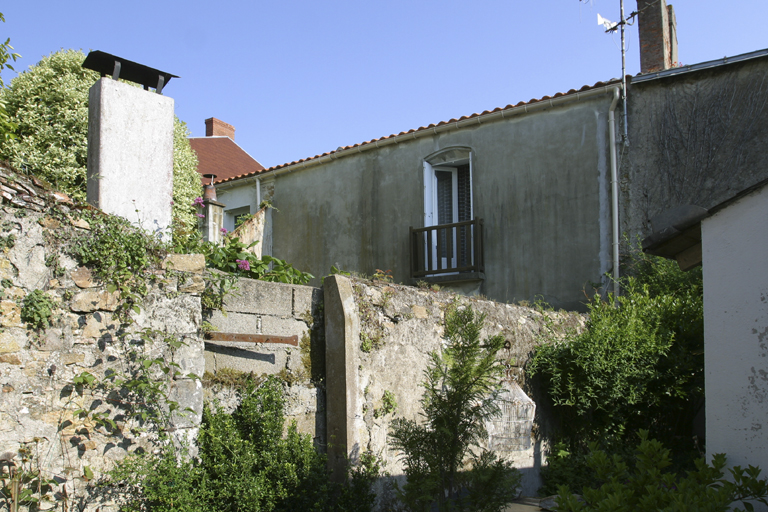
pixel 130 153
pixel 342 337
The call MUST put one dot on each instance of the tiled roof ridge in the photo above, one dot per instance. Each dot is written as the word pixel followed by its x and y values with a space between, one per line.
pixel 532 101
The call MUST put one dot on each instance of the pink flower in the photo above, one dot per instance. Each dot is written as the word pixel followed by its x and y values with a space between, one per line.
pixel 223 231
pixel 243 264
pixel 198 201
pixel 200 216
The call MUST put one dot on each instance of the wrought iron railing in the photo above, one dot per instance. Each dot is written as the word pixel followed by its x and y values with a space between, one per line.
pixel 447 248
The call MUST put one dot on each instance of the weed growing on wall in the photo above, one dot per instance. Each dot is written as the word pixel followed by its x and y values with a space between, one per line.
pixel 37 310
pixel 234 257
pixel 119 253
pixel 459 396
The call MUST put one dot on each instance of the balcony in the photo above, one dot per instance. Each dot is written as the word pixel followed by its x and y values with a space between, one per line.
pixel 450 252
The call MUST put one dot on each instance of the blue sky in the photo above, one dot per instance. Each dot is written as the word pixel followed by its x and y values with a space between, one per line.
pixel 299 78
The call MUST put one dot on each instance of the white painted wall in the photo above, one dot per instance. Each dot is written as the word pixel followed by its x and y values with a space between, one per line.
pixel 236 198
pixel 130 153
pixel 735 265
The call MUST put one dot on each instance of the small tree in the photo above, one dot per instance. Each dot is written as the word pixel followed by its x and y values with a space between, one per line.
pixel 460 387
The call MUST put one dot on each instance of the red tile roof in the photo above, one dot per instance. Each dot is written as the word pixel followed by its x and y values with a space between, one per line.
pixel 224 158
pixel 430 127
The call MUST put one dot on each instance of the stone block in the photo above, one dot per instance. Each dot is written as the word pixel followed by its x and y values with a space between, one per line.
pixel 30 257
pixel 283 326
pixel 190 357
pixel 14 293
pixel 419 312
pixel 187 393
pixel 194 263
pixel 56 340
pixel 193 284
pixel 177 315
pixel 6 269
pixel 12 340
pixel 72 358
pixel 240 323
pixel 306 299
pixel 95 300
pixel 10 359
pixel 98 325
pixel 80 223
pixel 247 357
pixel 83 277
pixel 261 297
pixel 10 314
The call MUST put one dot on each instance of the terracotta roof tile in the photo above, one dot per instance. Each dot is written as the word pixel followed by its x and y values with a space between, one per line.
pixel 223 157
pixel 231 177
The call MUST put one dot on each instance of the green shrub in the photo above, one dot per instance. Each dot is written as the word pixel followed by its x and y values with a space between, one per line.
pixel 233 256
pixel 246 463
pixel 49 104
pixel 638 365
pixel 647 484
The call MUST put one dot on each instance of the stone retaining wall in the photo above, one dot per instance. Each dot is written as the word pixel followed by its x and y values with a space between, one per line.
pixel 379 336
pixel 47 421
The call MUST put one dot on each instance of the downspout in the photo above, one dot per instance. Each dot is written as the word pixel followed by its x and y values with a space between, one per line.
pixel 614 190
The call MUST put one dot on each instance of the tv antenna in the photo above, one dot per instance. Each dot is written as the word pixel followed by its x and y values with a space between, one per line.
pixel 612 27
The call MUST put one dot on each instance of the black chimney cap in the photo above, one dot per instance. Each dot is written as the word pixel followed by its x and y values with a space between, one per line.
pixel 108 64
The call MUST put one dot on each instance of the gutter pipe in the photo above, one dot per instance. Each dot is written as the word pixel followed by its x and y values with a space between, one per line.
pixel 614 191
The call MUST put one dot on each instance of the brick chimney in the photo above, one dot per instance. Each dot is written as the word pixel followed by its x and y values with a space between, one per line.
pixel 658 35
pixel 217 128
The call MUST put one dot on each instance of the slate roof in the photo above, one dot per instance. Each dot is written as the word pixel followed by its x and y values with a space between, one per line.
pixel 224 158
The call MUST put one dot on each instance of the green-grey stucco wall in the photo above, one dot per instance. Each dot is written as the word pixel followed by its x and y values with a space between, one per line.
pixel 540 182
pixel 696 138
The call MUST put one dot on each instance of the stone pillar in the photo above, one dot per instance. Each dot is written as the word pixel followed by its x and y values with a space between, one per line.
pixel 130 153
pixel 212 221
pixel 343 412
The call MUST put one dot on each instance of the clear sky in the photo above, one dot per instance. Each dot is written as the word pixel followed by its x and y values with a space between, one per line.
pixel 300 78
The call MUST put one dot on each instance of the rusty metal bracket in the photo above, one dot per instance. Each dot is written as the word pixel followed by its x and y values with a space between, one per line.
pixel 252 338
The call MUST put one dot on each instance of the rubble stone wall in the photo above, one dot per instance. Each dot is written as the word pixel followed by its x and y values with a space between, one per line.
pixel 47 420
pixel 381 346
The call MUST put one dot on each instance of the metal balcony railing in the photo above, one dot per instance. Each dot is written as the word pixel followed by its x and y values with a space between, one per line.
pixel 447 249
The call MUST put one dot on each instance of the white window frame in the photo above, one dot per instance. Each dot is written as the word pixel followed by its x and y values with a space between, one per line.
pixel 430 197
